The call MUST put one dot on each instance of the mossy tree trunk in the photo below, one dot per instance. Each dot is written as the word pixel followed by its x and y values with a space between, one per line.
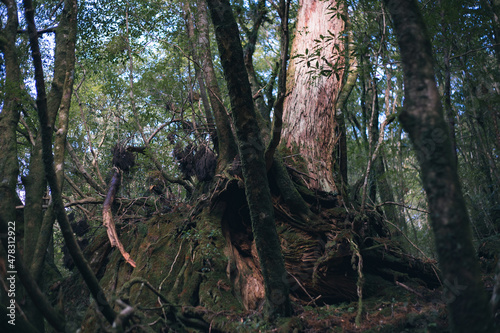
pixel 59 101
pixel 9 117
pixel 313 85
pixel 424 120
pixel 39 222
pixel 252 34
pixel 47 112
pixel 251 149
pixel 226 144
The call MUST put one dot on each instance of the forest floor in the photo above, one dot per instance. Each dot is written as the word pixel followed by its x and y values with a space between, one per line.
pixel 395 310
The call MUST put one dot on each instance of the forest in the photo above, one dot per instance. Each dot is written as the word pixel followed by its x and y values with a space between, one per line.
pixel 249 166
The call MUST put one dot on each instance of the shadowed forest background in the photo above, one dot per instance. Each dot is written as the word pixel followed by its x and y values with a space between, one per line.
pixel 250 165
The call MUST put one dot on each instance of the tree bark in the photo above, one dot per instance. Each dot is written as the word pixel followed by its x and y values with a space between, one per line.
pixel 38 224
pixel 350 79
pixel 9 117
pixel 277 126
pixel 65 50
pixel 251 150
pixel 190 30
pixel 309 110
pixel 46 129
pixel 58 97
pixel 227 146
pixel 53 317
pixel 259 15
pixel 423 119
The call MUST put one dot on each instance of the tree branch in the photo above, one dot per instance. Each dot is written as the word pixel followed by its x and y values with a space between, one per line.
pixel 39 32
pixel 82 170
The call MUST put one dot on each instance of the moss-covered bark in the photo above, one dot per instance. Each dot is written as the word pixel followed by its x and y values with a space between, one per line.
pixel 424 120
pixel 9 117
pixel 60 102
pixel 248 51
pixel 251 150
pixel 35 186
pixel 46 129
pixel 183 258
pixel 227 145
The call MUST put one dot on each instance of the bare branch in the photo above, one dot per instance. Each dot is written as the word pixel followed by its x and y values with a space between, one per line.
pixel 40 32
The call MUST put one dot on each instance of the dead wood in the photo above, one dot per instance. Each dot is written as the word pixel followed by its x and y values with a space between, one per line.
pixel 107 217
pixel 123 161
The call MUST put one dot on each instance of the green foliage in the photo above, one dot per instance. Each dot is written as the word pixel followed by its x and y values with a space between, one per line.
pixel 135 70
pixel 378 60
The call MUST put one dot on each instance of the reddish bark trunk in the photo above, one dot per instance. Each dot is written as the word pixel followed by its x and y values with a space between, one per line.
pixel 309 112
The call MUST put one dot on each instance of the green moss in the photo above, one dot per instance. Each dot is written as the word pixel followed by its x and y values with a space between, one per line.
pixel 292 156
pixel 338 212
pixel 292 324
pixel 488 253
pixel 188 267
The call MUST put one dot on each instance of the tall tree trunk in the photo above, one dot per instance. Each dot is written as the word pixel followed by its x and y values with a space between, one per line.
pixel 251 149
pixel 38 223
pixel 423 119
pixel 227 146
pixel 64 76
pixel 35 187
pixel 274 160
pixel 309 109
pixel 9 117
pixel 46 129
pixel 59 96
pixel 248 51
pixel 385 190
pixel 369 189
pixel 190 30
pixel 352 72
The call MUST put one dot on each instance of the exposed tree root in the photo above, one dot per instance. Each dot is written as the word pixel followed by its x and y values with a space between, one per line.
pixel 203 262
